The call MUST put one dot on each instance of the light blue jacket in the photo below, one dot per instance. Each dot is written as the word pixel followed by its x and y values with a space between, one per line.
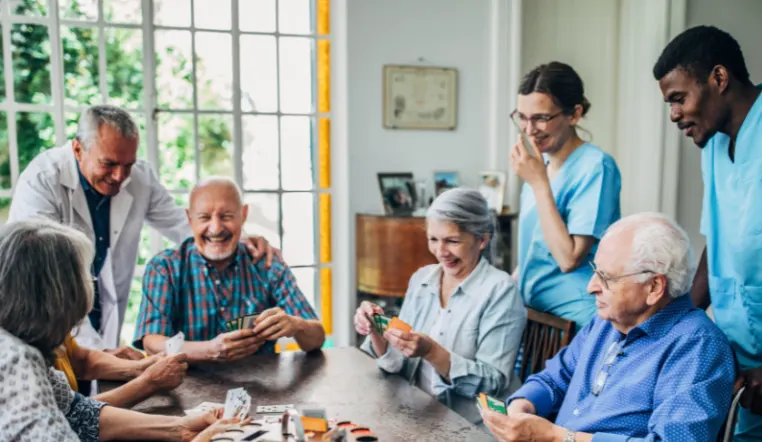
pixel 483 335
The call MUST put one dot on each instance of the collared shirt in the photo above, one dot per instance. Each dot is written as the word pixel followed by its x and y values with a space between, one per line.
pixel 586 191
pixel 183 292
pixel 482 327
pixel 100 213
pixel 671 379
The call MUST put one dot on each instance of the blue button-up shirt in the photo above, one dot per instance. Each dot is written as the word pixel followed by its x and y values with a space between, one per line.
pixel 671 379
pixel 100 214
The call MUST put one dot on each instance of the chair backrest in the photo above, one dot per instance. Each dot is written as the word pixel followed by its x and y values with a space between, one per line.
pixel 544 336
pixel 729 426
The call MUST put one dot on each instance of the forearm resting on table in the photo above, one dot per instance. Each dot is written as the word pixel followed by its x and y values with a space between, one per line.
pixel 129 394
pixel 95 364
pixel 568 250
pixel 200 351
pixel 311 335
pixel 120 424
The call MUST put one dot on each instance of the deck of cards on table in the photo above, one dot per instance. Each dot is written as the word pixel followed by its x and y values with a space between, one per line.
pixel 174 345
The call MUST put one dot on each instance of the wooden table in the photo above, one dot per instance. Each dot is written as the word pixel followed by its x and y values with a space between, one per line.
pixel 344 381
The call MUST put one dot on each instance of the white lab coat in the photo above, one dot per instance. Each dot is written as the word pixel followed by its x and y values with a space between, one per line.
pixel 50 187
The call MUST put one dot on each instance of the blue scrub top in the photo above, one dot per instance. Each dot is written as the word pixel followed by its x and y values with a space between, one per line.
pixel 731 220
pixel 586 191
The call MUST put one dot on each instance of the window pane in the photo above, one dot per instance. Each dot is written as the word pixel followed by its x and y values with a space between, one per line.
pixel 31 63
pixel 259 74
pixel 174 69
pixel 294 17
pixel 29 7
pixel 256 15
pixel 144 251
pixel 71 120
pixel 172 13
pixel 215 138
pixel 123 11
pixel 298 228
pixel 212 14
pixel 263 216
pixel 295 74
pixel 214 70
pixel 124 67
pixel 5 154
pixel 177 168
pixel 296 152
pixel 2 66
pixel 78 9
pixel 36 133
pixel 305 279
pixel 140 120
pixel 260 152
pixel 5 208
pixel 80 61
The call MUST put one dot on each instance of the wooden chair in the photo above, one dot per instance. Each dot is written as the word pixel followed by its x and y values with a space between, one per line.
pixel 544 336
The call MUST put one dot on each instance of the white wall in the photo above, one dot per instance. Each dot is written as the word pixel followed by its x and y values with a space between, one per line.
pixel 450 33
pixel 743 20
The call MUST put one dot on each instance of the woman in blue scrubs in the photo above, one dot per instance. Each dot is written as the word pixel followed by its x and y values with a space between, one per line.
pixel 569 198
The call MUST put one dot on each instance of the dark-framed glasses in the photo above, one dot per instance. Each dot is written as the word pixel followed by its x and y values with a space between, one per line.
pixel 540 121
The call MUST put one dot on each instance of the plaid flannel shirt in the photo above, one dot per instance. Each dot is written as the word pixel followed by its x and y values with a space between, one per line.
pixel 183 292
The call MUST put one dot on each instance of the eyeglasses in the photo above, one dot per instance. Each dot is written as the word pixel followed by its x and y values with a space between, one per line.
pixel 539 121
pixel 606 279
pixel 611 354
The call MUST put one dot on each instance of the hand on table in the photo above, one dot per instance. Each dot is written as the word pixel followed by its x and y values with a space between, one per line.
pixel 234 345
pixel 363 316
pixel 126 352
pixel 411 345
pixel 751 398
pixel 167 372
pixel 201 427
pixel 273 324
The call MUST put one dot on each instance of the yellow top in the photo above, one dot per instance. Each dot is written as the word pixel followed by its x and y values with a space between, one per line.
pixel 63 360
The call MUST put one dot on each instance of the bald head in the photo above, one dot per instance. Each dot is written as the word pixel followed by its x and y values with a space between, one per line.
pixel 216 215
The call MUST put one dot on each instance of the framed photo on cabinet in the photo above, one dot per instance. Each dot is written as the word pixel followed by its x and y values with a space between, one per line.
pixel 420 97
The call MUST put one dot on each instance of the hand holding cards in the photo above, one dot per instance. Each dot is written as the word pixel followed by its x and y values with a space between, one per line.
pixel 485 402
pixel 237 404
pixel 174 345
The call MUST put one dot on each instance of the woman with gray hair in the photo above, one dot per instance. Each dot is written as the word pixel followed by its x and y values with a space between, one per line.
pixel 467 316
pixel 45 290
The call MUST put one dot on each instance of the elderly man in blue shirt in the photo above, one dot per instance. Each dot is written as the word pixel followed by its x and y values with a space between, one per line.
pixel 649 367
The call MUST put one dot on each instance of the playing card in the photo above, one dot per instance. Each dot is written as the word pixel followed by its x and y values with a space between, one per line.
pixel 491 403
pixel 237 402
pixel 382 323
pixel 174 345
pixel 273 409
pixel 398 324
pixel 248 321
pixel 204 407
pixel 232 325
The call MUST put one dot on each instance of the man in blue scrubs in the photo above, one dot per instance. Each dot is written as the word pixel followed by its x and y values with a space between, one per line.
pixel 702 75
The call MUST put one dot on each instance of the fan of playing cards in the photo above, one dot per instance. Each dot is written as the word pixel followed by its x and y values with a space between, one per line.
pixel 237 404
pixel 382 323
pixel 241 323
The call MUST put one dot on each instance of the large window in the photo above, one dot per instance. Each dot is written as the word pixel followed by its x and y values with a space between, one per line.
pixel 219 87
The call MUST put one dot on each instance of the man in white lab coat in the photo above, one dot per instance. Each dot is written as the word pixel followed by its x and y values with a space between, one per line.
pixel 97 184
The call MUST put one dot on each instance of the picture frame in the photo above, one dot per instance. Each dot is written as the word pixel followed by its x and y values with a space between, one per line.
pixel 491 185
pixel 420 97
pixel 397 192
pixel 445 180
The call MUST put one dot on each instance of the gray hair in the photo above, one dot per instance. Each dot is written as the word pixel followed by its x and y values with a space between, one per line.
pixel 467 209
pixel 661 246
pixel 45 283
pixel 94 117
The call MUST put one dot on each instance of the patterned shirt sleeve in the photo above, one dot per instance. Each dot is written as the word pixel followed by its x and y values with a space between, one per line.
pixel 83 416
pixel 30 409
pixel 287 294
pixel 156 304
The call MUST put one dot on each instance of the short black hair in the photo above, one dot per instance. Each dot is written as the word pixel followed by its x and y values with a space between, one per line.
pixel 698 50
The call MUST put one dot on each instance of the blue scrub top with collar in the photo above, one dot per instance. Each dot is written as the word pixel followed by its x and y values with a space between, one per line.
pixel 586 191
pixel 731 221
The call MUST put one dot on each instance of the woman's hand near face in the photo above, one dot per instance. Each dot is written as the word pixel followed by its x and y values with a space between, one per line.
pixel 530 168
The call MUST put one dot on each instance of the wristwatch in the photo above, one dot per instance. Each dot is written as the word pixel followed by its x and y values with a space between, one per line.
pixel 570 436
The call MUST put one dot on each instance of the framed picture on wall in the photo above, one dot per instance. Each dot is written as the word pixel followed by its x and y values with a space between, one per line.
pixel 397 192
pixel 491 185
pixel 444 181
pixel 420 97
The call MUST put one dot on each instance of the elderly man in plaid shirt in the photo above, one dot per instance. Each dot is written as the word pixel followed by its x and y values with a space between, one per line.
pixel 210 280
